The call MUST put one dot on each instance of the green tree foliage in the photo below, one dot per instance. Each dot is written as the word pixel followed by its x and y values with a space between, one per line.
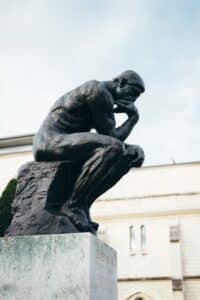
pixel 6 200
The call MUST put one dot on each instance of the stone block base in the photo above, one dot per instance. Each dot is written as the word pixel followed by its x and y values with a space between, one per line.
pixel 63 266
pixel 41 204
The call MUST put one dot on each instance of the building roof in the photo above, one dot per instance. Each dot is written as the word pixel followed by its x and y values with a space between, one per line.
pixel 15 141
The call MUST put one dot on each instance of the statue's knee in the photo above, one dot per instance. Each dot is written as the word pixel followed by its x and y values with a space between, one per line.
pixel 135 155
pixel 116 148
pixel 39 155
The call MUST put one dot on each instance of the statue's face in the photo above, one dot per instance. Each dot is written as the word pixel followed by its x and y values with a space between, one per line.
pixel 128 91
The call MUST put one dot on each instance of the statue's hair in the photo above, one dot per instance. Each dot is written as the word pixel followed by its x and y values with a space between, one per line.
pixel 132 78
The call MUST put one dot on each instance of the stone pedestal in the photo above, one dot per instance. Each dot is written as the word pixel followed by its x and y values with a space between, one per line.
pixel 63 266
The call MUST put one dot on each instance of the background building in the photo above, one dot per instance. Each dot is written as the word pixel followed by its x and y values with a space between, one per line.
pixel 151 217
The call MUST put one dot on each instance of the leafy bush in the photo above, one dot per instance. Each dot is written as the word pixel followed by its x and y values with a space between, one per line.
pixel 6 200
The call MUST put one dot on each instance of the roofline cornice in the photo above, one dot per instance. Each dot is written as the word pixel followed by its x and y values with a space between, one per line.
pixel 14 141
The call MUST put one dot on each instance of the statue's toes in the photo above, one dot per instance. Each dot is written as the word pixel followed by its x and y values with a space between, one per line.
pixel 79 219
pixel 95 225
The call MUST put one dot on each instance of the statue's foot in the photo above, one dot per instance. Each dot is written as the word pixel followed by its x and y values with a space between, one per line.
pixel 94 225
pixel 79 218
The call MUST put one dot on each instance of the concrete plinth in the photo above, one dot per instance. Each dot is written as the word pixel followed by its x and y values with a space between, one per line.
pixel 64 266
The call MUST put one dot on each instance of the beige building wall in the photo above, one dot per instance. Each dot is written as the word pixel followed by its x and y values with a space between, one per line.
pixel 192 289
pixel 162 206
pixel 166 201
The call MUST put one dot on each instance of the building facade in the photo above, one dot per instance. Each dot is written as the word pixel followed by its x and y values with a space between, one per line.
pixel 151 217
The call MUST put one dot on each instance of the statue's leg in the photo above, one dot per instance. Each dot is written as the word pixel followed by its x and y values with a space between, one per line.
pixel 104 161
pixel 129 159
pixel 119 168
pixel 133 156
pixel 92 173
pixel 96 154
pixel 94 170
pixel 103 171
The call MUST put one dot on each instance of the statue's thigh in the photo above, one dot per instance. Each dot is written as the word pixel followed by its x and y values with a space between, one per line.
pixel 82 145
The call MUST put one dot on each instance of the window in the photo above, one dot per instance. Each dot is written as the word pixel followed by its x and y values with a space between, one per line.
pixel 132 240
pixel 143 239
pixel 174 233
pixel 177 284
pixel 137 240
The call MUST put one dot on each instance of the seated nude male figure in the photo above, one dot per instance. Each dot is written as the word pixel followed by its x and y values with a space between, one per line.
pixel 66 135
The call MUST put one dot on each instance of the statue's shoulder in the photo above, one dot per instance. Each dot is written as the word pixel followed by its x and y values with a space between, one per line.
pixel 97 96
pixel 60 102
pixel 89 91
pixel 93 88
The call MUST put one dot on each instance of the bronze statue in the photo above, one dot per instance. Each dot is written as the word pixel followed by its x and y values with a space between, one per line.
pixel 65 135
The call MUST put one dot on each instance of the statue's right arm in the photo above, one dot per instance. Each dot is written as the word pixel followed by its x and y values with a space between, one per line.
pixel 101 106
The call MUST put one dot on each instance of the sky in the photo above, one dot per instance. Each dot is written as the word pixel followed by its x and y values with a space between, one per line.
pixel 48 47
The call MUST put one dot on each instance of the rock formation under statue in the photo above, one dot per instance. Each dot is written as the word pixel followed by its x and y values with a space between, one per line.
pixel 74 166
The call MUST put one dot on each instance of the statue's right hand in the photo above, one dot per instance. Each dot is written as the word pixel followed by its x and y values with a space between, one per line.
pixel 128 107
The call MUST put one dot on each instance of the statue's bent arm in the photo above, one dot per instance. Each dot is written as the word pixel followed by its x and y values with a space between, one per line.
pixel 125 129
pixel 101 107
pixel 105 124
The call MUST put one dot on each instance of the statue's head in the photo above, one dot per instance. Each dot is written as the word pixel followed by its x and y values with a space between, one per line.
pixel 128 85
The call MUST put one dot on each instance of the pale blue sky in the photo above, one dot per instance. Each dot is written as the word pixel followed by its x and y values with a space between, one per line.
pixel 48 47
